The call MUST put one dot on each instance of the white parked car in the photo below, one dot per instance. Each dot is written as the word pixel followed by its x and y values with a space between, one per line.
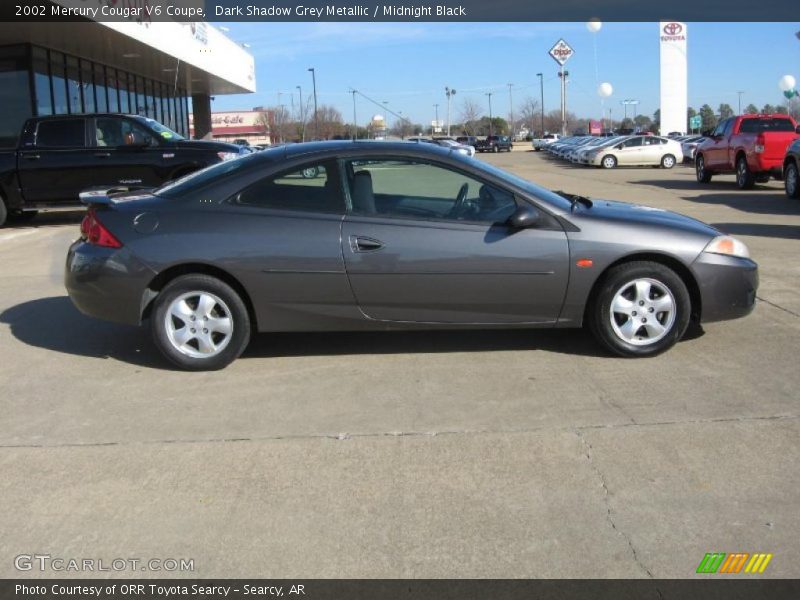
pixel 455 146
pixel 548 138
pixel 689 146
pixel 638 150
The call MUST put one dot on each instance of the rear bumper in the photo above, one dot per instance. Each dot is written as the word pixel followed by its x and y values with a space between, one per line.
pixel 106 283
pixel 727 285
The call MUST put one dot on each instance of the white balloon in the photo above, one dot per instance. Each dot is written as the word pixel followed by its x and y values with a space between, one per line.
pixel 594 26
pixel 604 90
pixel 786 83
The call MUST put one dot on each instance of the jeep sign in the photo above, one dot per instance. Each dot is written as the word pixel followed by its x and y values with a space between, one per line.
pixel 561 52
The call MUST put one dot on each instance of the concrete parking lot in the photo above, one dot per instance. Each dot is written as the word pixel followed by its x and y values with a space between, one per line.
pixel 465 454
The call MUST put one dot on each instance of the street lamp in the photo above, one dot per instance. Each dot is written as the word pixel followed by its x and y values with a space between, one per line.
pixel 316 113
pixel 448 92
pixel 302 113
pixel 491 132
pixel 541 87
pixel 435 108
pixel 511 108
pixel 355 120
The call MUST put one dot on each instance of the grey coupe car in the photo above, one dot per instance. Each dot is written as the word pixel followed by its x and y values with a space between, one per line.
pixel 382 235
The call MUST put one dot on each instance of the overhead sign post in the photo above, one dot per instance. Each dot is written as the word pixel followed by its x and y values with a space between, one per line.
pixel 561 52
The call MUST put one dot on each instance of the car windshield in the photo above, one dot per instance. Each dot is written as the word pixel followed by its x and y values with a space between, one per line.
pixel 198 179
pixel 766 124
pixel 555 200
pixel 162 130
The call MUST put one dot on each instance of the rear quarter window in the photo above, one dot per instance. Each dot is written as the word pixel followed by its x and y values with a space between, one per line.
pixel 765 125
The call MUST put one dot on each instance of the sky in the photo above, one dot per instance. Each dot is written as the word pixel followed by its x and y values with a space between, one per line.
pixel 408 65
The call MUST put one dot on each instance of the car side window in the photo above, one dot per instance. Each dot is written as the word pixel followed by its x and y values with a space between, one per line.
pixel 310 188
pixel 417 189
pixel 633 142
pixel 61 133
pixel 119 132
pixel 728 127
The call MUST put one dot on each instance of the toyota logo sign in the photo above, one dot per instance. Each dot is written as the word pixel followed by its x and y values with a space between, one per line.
pixel 673 28
pixel 673 32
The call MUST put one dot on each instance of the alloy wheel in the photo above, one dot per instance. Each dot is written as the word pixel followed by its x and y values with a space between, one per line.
pixel 642 312
pixel 198 324
pixel 791 181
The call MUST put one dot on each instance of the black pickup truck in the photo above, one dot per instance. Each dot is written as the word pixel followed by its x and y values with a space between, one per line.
pixel 495 143
pixel 58 157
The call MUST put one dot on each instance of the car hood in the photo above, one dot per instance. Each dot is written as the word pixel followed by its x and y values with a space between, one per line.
pixel 637 214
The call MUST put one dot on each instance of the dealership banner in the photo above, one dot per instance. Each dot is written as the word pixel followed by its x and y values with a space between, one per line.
pixel 406 10
pixel 391 589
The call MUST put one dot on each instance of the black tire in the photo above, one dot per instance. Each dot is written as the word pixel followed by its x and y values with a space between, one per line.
pixel 668 161
pixel 239 318
pixel 599 315
pixel 495 149
pixel 791 181
pixel 703 174
pixel 745 179
pixel 609 161
pixel 3 212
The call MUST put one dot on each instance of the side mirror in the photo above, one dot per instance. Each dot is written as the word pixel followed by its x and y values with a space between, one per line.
pixel 525 216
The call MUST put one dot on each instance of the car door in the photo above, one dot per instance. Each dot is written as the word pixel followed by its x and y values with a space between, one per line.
pixel 653 148
pixel 425 242
pixel 715 150
pixel 126 153
pixel 631 151
pixel 56 165
pixel 285 248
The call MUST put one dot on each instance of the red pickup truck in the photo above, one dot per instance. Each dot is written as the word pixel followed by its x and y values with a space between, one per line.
pixel 752 146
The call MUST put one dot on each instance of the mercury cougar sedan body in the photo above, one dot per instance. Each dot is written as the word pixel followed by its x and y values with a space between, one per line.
pixel 384 235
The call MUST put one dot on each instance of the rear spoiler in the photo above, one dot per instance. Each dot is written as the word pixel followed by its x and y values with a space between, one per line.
pixel 106 196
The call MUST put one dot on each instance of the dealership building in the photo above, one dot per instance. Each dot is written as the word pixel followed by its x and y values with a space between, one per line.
pixel 162 70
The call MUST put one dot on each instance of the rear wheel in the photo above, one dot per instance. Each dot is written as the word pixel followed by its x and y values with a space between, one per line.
pixel 495 149
pixel 703 175
pixel 642 309
pixel 668 161
pixel 609 162
pixel 744 177
pixel 200 323
pixel 791 181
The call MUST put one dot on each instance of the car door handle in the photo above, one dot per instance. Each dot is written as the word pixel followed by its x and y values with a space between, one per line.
pixel 102 154
pixel 364 244
pixel 31 156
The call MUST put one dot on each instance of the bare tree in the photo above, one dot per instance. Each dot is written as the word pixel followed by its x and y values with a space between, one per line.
pixel 331 124
pixel 279 122
pixel 530 113
pixel 470 115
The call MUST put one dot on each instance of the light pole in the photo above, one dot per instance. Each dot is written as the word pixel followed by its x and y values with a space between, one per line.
pixel 541 88
pixel 511 108
pixel 449 93
pixel 316 113
pixel 355 120
pixel 491 131
pixel 302 114
pixel 740 101
pixel 386 117
pixel 436 108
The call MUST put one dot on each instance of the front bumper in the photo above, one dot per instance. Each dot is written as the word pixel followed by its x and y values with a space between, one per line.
pixel 728 286
pixel 106 283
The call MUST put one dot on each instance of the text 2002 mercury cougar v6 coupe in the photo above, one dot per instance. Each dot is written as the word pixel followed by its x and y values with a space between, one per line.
pixel 370 235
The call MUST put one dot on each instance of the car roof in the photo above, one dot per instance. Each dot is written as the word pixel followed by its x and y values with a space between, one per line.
pixel 372 147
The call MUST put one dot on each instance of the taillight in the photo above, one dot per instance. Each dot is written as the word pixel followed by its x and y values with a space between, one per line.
pixel 94 232
pixel 759 147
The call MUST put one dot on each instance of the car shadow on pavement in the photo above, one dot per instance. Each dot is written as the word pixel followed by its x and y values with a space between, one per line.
pixel 55 324
pixel 47 219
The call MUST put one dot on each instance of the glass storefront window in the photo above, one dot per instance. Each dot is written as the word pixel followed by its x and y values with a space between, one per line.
pixel 60 103
pixel 41 83
pixel 100 88
pixel 150 110
pixel 141 104
pixel 126 101
pixel 88 86
pixel 74 85
pixel 15 96
pixel 112 84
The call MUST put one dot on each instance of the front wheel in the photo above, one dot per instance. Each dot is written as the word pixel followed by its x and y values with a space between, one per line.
pixel 668 161
pixel 703 175
pixel 609 162
pixel 791 182
pixel 641 309
pixel 200 323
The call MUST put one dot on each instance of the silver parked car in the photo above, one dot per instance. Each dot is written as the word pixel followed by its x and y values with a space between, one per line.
pixel 639 150
pixel 392 236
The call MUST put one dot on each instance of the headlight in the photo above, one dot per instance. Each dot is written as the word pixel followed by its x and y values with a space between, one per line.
pixel 223 156
pixel 725 244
